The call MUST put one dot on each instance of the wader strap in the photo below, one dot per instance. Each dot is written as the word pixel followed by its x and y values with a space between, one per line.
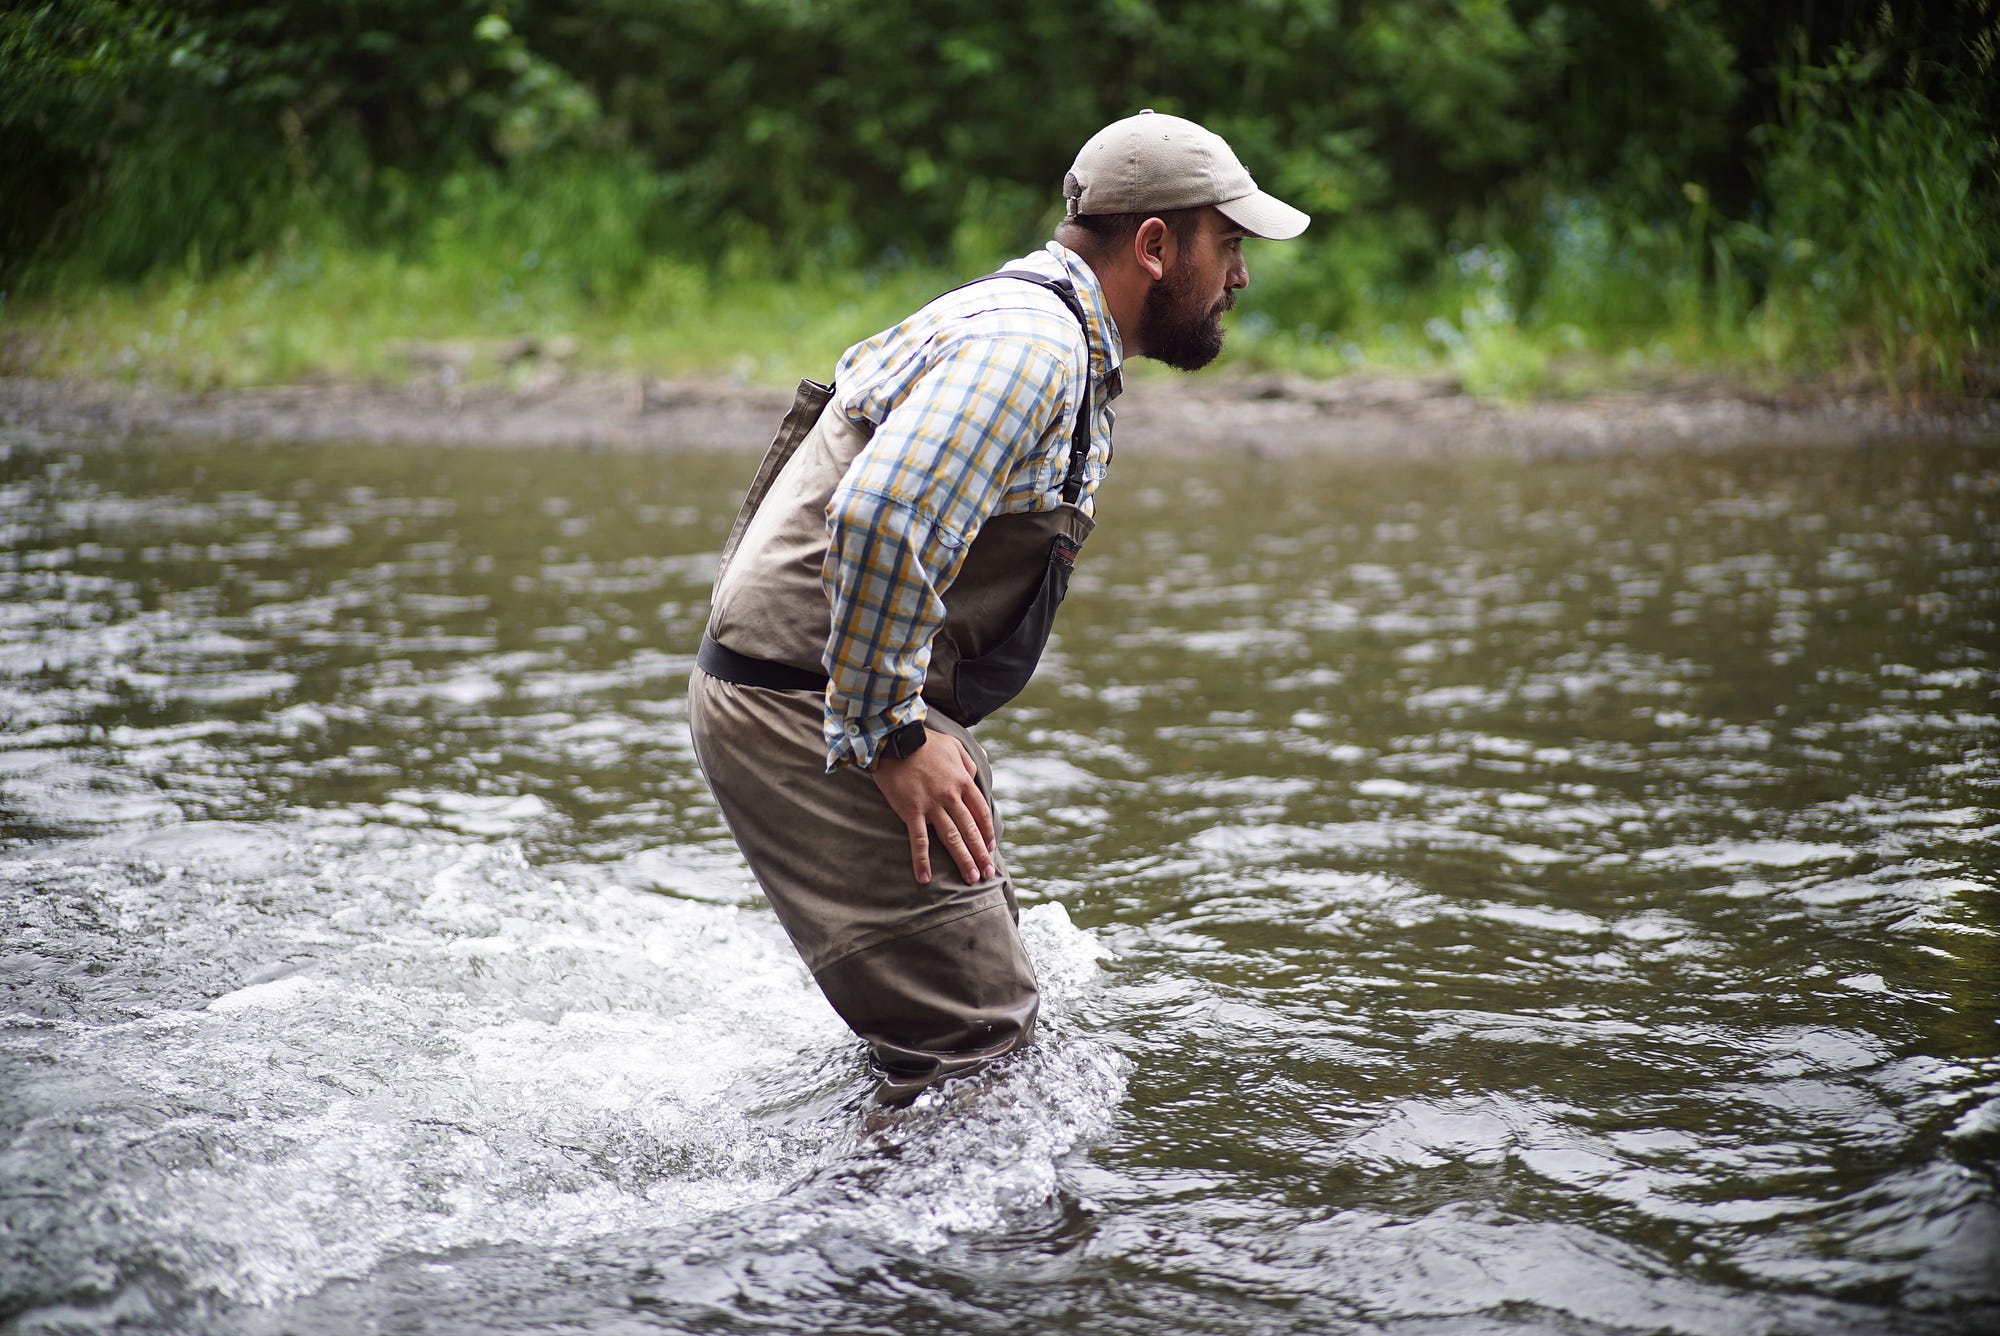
pixel 1079 437
pixel 718 660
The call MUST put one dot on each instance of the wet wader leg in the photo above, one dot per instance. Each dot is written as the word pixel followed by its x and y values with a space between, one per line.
pixel 933 977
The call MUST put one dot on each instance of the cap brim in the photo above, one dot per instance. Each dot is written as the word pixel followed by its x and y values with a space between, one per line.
pixel 1265 216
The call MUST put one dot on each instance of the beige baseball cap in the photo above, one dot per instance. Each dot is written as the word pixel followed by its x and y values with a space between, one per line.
pixel 1152 162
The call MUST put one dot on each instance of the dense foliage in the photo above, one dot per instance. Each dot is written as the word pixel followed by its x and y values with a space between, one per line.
pixel 1601 172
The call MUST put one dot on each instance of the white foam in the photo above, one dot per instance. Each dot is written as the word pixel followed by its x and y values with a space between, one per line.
pixel 277 993
pixel 438 1046
pixel 1746 853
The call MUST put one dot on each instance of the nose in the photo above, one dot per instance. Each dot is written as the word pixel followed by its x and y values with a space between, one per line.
pixel 1239 274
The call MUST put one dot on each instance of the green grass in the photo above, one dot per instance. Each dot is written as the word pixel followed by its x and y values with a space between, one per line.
pixel 350 316
pixel 332 313
pixel 1873 264
pixel 347 315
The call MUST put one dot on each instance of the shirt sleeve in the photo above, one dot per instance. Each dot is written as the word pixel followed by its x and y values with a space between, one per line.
pixel 899 523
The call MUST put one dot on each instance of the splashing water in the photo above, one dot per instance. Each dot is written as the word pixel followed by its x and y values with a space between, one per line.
pixel 276 1058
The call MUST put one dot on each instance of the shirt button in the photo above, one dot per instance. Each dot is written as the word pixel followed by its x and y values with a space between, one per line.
pixel 854 730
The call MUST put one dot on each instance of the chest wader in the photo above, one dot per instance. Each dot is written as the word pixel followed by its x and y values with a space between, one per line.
pixel 933 977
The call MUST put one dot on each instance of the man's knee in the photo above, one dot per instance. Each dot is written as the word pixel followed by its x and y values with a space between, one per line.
pixel 963 987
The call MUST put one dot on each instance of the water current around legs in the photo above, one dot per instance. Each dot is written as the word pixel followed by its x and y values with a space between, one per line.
pixel 1470 896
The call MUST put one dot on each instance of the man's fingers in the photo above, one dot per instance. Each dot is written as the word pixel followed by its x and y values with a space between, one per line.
pixel 981 811
pixel 940 800
pixel 920 852
pixel 958 831
pixel 983 814
pixel 978 827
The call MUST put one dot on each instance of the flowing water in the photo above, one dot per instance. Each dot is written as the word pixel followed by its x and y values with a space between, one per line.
pixel 1472 897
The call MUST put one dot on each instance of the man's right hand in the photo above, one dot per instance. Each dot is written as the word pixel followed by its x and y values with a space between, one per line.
pixel 936 787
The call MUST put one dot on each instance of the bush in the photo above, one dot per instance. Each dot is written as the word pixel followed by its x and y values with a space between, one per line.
pixel 1881 247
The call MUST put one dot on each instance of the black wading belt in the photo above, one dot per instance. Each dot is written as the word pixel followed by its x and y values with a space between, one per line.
pixel 718 660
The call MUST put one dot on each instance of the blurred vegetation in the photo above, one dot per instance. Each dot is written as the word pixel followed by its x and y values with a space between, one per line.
pixel 1533 194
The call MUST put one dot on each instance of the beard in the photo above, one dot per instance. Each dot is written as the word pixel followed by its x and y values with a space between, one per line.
pixel 1177 325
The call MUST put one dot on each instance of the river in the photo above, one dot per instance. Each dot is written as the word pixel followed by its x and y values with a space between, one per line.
pixel 1471 895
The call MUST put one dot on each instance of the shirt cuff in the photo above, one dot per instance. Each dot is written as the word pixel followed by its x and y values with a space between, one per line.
pixel 856 740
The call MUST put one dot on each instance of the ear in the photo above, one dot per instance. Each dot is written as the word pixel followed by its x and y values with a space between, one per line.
pixel 1155 247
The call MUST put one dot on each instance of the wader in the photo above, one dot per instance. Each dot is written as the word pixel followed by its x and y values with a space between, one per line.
pixel 933 977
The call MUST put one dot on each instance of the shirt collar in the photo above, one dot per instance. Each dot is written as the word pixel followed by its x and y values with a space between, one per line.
pixel 1107 350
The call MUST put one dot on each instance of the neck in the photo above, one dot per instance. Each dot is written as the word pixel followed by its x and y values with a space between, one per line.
pixel 1124 287
pixel 1124 298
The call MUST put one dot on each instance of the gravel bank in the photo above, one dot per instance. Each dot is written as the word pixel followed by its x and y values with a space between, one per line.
pixel 1363 414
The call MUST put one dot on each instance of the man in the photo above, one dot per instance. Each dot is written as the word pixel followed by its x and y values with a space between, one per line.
pixel 894 572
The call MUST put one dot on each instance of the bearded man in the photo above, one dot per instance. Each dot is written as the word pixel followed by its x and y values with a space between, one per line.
pixel 894 572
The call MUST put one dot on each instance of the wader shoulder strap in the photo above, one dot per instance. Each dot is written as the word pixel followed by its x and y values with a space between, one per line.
pixel 1079 437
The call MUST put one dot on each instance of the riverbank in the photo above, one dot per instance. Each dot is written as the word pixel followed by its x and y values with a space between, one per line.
pixel 1271 413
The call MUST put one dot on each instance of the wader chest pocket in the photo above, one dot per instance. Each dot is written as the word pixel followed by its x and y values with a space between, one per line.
pixel 983 684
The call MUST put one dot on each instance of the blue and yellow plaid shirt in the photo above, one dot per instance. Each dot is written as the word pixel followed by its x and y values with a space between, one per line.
pixel 973 399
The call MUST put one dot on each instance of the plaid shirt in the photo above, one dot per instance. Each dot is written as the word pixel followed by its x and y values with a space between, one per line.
pixel 973 399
